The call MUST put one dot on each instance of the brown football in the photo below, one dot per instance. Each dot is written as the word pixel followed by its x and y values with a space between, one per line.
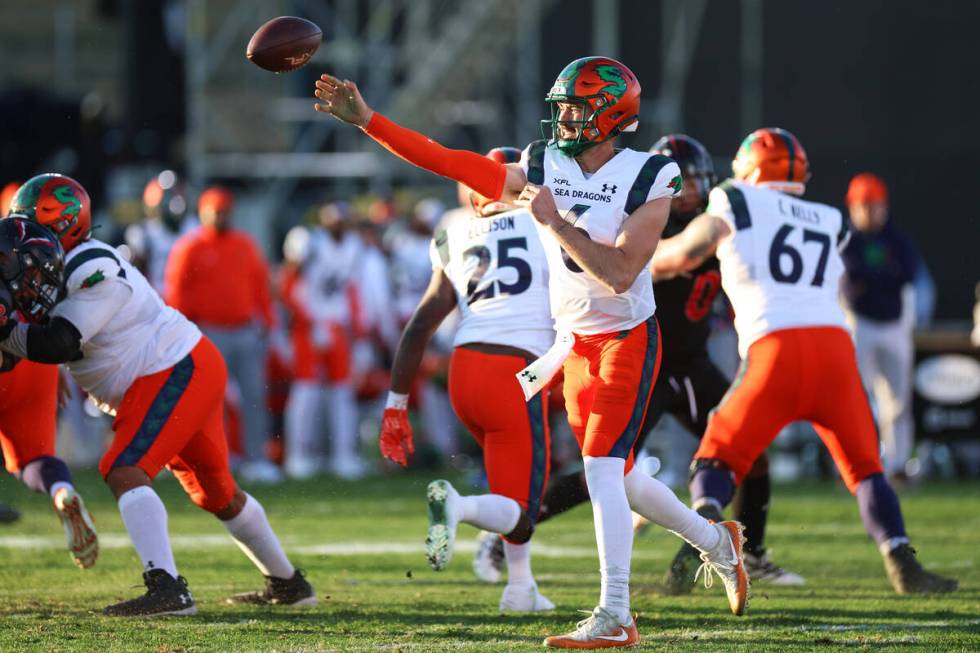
pixel 283 44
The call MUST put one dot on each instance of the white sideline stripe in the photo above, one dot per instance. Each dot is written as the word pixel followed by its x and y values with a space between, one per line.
pixel 353 548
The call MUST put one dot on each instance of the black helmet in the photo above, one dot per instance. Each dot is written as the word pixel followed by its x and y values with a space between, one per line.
pixel 693 159
pixel 32 266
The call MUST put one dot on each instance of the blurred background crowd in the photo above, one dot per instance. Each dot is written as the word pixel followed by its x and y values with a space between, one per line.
pixel 302 250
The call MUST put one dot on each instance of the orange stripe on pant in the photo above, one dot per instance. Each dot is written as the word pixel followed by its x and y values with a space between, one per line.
pixel 174 418
pixel 28 407
pixel 609 379
pixel 513 433
pixel 789 375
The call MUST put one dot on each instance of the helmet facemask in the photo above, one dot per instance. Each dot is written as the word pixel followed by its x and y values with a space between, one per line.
pixel 587 130
pixel 36 289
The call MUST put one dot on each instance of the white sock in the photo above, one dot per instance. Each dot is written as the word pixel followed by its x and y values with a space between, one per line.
pixel 302 422
pixel 518 563
pixel 491 512
pixel 251 530
pixel 613 532
pixel 342 413
pixel 145 518
pixel 658 503
pixel 57 485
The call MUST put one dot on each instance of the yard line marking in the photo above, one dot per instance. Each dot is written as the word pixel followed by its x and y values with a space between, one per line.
pixel 353 548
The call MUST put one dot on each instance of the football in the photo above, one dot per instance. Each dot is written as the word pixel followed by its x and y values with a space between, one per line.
pixel 284 44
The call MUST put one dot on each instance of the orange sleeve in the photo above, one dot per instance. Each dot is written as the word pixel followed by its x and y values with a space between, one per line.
pixel 483 175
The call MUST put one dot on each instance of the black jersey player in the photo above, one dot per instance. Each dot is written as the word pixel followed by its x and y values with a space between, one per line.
pixel 688 387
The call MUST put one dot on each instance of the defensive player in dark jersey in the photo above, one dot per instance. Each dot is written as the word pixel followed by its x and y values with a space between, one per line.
pixel 688 387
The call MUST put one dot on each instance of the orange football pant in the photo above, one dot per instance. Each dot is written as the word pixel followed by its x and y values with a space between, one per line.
pixel 789 375
pixel 513 434
pixel 331 363
pixel 609 378
pixel 175 418
pixel 28 411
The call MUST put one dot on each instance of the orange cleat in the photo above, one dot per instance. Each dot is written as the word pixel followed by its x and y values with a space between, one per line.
pixel 601 630
pixel 726 561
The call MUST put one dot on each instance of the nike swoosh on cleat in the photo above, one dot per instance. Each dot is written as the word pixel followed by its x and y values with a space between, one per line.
pixel 621 637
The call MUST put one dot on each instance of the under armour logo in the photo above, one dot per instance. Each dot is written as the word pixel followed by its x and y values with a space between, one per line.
pixel 529 376
pixel 609 188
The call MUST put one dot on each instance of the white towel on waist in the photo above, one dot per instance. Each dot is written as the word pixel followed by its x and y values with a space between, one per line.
pixel 538 374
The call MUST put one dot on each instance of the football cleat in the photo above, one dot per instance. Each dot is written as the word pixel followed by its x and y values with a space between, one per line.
pixel 761 568
pixel 295 591
pixel 524 598
pixel 8 514
pixel 600 630
pixel 83 542
pixel 441 538
pixel 488 561
pixel 907 575
pixel 726 561
pixel 165 595
pixel 680 577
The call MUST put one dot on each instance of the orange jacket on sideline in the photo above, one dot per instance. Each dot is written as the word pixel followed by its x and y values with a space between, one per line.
pixel 219 279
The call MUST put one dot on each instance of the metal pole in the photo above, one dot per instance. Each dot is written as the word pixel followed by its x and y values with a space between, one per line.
pixel 751 60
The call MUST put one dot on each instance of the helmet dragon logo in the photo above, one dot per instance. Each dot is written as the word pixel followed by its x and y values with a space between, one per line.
pixel 66 195
pixel 613 75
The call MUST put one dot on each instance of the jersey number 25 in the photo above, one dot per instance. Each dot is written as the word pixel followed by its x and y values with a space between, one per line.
pixel 504 260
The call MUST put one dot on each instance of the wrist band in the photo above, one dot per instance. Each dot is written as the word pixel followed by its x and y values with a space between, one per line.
pixel 397 401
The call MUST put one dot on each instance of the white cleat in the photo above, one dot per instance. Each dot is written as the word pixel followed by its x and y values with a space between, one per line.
pixel 726 561
pixel 761 568
pixel 488 561
pixel 442 499
pixel 83 543
pixel 600 630
pixel 348 469
pixel 524 598
pixel 260 472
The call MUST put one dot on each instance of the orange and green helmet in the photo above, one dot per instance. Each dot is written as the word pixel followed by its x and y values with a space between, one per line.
pixel 610 97
pixel 59 203
pixel 771 155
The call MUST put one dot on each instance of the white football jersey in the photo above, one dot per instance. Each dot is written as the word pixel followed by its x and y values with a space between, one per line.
pixel 780 266
pixel 329 267
pixel 498 267
pixel 410 270
pixel 597 206
pixel 120 341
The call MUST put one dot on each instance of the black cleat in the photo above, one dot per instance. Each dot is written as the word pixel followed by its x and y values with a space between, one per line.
pixel 164 595
pixel 280 591
pixel 679 579
pixel 907 575
pixel 8 515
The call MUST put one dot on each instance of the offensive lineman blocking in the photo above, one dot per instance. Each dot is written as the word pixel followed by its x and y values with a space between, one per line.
pixel 781 269
pixel 615 206
pixel 164 382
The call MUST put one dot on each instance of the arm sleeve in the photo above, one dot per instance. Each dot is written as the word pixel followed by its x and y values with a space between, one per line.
pixel 483 175
pixel 90 308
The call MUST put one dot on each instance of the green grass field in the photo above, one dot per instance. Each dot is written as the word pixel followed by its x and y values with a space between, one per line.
pixel 361 545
